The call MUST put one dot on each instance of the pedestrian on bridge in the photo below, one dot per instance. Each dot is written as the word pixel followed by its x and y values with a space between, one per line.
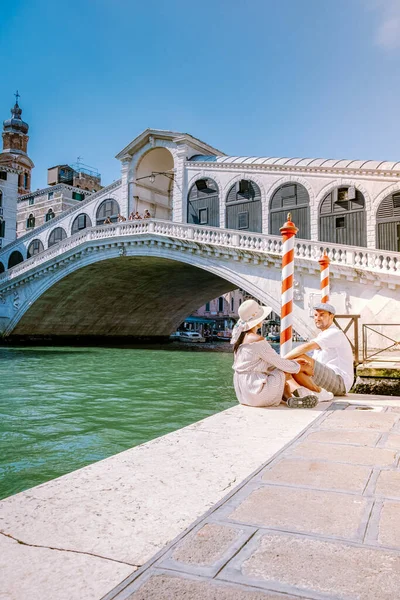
pixel 331 369
pixel 262 378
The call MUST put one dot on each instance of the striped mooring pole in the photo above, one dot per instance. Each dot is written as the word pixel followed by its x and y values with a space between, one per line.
pixel 288 231
pixel 324 265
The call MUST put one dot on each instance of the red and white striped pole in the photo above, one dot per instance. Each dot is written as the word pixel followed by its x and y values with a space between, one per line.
pixel 324 265
pixel 288 231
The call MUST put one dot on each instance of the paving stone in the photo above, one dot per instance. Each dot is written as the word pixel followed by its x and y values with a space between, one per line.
pixel 358 438
pixel 360 419
pixel 389 525
pixel 316 474
pixel 207 545
pixel 325 513
pixel 393 441
pixel 388 483
pixel 335 569
pixel 165 587
pixel 360 455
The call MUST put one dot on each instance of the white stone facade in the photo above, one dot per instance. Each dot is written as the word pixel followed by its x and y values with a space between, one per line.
pixel 8 204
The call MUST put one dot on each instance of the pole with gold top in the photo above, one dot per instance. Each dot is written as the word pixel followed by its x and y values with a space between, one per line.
pixel 324 265
pixel 288 232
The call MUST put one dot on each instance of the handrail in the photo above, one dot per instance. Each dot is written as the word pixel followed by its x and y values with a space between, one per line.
pixel 359 258
pixel 395 345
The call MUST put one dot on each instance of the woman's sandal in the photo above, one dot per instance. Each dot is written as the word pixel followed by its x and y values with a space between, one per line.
pixel 308 401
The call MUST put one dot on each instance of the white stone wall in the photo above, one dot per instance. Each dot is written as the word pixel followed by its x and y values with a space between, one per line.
pixel 9 189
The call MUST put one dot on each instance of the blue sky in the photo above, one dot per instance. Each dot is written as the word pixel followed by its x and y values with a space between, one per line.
pixel 307 78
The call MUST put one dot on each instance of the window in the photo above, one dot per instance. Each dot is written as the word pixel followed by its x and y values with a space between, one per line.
pixel 243 220
pixel 244 186
pixel 203 216
pixel 81 222
pixel 342 195
pixel 26 181
pixel 56 236
pixel 49 215
pixel 77 196
pixel 232 304
pixel 1 198
pixel 50 195
pixel 2 228
pixel 220 304
pixel 34 247
pixel 31 201
pixel 207 307
pixel 30 222
pixel 108 208
pixel 3 175
pixel 340 223
pixel 396 200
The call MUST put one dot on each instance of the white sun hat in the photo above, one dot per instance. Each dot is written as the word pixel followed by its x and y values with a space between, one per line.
pixel 250 315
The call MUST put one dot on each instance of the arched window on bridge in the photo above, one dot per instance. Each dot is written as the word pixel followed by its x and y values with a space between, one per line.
pixel 30 222
pixel 81 222
pixel 342 217
pixel 243 206
pixel 2 269
pixel 2 228
pixel 203 203
pixel 15 258
pixel 388 223
pixel 35 247
pixel 108 208
pixel 293 198
pixel 57 235
pixel 1 199
pixel 50 215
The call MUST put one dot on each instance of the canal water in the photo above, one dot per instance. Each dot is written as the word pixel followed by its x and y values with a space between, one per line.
pixel 62 408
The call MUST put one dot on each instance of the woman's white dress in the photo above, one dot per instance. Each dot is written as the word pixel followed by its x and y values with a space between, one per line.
pixel 259 376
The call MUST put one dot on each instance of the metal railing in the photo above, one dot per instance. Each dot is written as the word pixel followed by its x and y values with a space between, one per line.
pixel 381 345
pixel 352 335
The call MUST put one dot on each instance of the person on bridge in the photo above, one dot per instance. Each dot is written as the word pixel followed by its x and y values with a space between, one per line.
pixel 262 377
pixel 107 221
pixel 331 369
pixel 146 215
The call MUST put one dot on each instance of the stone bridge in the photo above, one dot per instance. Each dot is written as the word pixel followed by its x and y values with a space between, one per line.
pixel 142 278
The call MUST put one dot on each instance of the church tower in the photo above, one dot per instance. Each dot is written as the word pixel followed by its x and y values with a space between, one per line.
pixel 15 148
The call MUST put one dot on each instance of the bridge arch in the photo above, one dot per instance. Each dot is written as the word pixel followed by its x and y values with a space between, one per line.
pixel 243 206
pixel 388 223
pixel 290 197
pixel 154 182
pixel 183 282
pixel 203 201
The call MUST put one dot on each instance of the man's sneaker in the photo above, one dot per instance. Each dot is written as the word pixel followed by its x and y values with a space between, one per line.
pixel 324 396
pixel 308 401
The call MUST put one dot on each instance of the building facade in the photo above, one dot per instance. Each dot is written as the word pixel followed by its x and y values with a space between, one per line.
pixel 8 205
pixel 42 206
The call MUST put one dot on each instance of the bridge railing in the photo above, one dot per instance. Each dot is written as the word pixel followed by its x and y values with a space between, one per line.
pixel 350 256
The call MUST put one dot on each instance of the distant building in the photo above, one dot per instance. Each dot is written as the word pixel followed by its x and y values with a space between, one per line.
pixel 15 148
pixel 79 175
pixel 8 204
pixel 38 207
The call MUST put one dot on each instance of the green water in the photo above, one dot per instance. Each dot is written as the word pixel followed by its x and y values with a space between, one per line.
pixel 62 408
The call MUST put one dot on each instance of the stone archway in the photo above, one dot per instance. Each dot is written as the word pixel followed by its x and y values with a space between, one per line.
pixel 154 182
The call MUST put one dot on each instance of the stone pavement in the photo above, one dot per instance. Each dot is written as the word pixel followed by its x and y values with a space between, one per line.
pixel 320 520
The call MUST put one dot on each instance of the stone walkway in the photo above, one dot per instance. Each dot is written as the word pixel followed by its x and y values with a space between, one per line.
pixel 320 520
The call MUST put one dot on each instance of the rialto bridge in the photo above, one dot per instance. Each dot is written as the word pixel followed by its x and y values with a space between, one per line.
pixel 214 226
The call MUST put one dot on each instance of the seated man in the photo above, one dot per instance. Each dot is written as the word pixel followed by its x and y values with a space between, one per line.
pixel 331 371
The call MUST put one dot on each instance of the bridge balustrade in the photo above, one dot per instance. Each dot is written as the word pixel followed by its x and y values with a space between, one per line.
pixel 350 256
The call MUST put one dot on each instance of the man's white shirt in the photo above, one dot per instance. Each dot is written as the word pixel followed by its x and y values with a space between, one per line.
pixel 335 353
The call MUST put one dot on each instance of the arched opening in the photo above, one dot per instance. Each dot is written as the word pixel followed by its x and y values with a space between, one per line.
pixel 293 198
pixel 203 203
pixel 57 235
pixel 342 217
pixel 388 223
pixel 243 206
pixel 2 228
pixel 108 209
pixel 15 258
pixel 154 182
pixel 35 247
pixel 1 198
pixel 2 269
pixel 30 222
pixel 50 215
pixel 81 222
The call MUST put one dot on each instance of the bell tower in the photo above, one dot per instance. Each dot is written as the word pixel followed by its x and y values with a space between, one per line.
pixel 15 147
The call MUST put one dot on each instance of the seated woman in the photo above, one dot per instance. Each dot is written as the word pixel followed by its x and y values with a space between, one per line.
pixel 262 377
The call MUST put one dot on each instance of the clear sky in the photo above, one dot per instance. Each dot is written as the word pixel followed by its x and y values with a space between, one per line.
pixel 306 78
